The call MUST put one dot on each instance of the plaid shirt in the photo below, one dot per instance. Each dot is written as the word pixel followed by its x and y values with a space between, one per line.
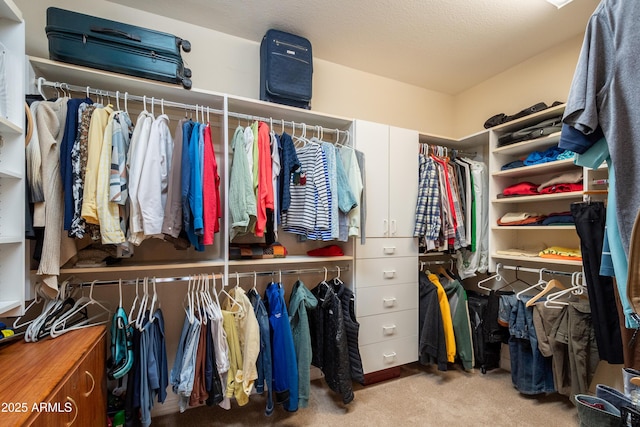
pixel 428 220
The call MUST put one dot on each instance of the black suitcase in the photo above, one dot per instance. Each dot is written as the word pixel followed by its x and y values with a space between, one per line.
pixel 113 46
pixel 286 69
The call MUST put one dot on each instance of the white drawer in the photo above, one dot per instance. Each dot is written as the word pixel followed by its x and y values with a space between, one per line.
pixel 386 271
pixel 390 353
pixel 388 247
pixel 386 299
pixel 388 326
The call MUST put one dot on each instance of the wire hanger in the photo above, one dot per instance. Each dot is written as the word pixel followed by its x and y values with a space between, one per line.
pixel 133 306
pixel 60 327
pixel 539 283
pixel 497 277
pixel 577 288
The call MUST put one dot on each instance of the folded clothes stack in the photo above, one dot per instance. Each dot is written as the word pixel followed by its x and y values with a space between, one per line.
pixel 562 183
pixel 552 154
pixel 559 218
pixel 256 251
pixel 558 252
pixel 521 218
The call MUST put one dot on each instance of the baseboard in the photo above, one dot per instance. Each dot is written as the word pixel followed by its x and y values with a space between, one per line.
pixel 379 376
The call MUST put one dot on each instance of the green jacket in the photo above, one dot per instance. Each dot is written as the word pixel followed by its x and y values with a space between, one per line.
pixel 300 301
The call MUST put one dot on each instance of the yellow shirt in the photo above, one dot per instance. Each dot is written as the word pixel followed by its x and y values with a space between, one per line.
pixel 248 333
pixel 97 126
pixel 234 376
pixel 447 322
pixel 108 211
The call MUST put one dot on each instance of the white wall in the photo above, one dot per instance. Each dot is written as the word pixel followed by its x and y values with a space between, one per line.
pixel 228 64
pixel 543 78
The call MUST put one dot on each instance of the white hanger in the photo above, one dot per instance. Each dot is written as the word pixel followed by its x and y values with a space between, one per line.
pixel 496 276
pixel 126 107
pixel 65 291
pixel 255 281
pixel 39 298
pixel 60 327
pixel 133 306
pixel 576 289
pixel 88 92
pixel 118 100
pixel 188 309
pixel 230 298
pixel 153 106
pixel 154 300
pixel 144 102
pixel 539 283
pixel 143 304
pixel 162 106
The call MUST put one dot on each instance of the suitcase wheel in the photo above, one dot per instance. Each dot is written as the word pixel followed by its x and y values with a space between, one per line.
pixel 186 83
pixel 187 72
pixel 186 45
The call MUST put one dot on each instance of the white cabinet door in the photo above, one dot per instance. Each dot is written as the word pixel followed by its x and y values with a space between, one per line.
pixel 403 181
pixel 373 140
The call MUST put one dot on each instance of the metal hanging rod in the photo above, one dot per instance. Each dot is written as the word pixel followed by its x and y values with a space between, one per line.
pixel 424 148
pixel 534 270
pixel 125 96
pixel 195 107
pixel 230 276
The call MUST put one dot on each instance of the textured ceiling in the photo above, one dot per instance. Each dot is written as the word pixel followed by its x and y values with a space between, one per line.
pixel 447 46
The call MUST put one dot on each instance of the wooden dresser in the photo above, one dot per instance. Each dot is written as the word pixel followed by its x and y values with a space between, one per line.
pixel 55 382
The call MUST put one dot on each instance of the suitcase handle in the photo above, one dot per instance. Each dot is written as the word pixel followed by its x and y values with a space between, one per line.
pixel 115 32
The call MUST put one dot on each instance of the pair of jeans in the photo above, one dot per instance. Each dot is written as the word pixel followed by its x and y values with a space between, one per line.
pixel 531 372
pixel 264 362
pixel 590 221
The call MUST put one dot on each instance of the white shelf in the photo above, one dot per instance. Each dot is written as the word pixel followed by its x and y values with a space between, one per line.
pixel 10 174
pixel 157 266
pixel 538 260
pixel 9 10
pixel 544 168
pixel 105 80
pixel 540 198
pixel 140 267
pixel 293 259
pixel 7 126
pixel 6 306
pixel 530 120
pixel 529 146
pixel 533 227
pixel 10 239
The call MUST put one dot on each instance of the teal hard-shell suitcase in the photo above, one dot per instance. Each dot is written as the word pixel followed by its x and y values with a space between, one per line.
pixel 108 45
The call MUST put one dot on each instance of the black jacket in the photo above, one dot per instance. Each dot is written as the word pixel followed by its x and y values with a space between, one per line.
pixel 329 341
pixel 352 328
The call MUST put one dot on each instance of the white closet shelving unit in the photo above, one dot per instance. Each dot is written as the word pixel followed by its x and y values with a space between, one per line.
pixel 158 256
pixel 387 264
pixel 13 286
pixel 522 237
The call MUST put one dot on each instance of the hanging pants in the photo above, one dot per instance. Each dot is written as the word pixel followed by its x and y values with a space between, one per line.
pixel 590 220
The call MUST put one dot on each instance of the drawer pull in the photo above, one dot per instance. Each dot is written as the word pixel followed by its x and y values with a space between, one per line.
pixel 389 330
pixel 389 274
pixel 390 357
pixel 70 399
pixel 93 384
pixel 389 250
pixel 389 302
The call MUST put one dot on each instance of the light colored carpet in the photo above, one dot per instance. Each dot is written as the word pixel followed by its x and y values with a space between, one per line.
pixel 421 396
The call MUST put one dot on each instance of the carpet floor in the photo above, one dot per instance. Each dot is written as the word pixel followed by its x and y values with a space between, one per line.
pixel 421 396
